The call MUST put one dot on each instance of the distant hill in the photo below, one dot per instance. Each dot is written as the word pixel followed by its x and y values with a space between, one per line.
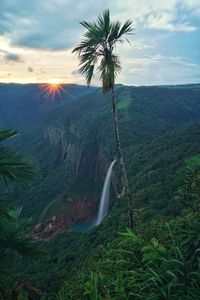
pixel 24 106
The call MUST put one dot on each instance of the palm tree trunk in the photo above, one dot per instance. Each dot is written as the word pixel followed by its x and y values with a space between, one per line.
pixel 117 136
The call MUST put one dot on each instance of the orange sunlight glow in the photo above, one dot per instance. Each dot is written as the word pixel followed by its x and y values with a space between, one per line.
pixel 52 88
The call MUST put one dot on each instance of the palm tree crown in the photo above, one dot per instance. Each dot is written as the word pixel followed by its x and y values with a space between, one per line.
pixel 96 49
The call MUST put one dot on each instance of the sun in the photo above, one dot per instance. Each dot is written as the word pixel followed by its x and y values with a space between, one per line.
pixel 52 88
pixel 54 81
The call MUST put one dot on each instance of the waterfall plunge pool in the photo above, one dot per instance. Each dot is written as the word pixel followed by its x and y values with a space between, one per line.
pixel 83 227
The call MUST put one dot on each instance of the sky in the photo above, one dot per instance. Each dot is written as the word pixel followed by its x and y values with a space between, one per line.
pixel 37 38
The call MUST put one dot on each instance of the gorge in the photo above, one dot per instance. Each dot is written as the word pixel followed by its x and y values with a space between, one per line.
pixel 72 146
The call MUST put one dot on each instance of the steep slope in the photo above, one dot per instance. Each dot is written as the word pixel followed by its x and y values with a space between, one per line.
pixel 76 143
pixel 73 149
pixel 157 174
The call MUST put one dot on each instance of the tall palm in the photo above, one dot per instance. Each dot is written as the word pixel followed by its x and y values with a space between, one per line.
pixel 96 49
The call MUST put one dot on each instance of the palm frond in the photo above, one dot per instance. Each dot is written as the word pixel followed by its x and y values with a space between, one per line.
pixel 127 28
pixel 108 69
pixel 12 236
pixel 91 38
pixel 103 22
pixel 87 25
pixel 4 213
pixel 27 246
pixel 114 31
pixel 87 69
pixel 96 49
pixel 14 167
pixel 7 133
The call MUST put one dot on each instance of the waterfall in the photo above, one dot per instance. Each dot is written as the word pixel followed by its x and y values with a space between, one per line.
pixel 103 205
pixel 104 201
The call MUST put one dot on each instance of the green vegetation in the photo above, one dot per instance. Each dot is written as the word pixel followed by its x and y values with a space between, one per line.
pixel 159 258
pixel 48 210
pixel 167 189
pixel 135 267
pixel 76 144
pixel 15 169
pixel 26 108
pixel 124 102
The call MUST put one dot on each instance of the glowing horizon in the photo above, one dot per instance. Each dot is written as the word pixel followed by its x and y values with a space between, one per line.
pixel 51 89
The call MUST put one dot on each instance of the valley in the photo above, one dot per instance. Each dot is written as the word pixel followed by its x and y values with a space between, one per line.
pixel 72 146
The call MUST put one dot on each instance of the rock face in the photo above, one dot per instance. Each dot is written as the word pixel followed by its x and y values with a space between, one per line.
pixel 73 158
pixel 70 147
pixel 75 145
pixel 76 167
pixel 78 211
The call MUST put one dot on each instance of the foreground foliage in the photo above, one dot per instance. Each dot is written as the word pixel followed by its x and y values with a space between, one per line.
pixel 160 260
pixel 132 267
pixel 164 176
pixel 15 169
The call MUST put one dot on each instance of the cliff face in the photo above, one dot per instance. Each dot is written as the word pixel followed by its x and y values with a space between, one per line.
pixel 75 146
pixel 81 210
pixel 70 147
pixel 79 168
pixel 73 160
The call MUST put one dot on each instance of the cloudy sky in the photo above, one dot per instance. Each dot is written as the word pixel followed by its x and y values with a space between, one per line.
pixel 37 37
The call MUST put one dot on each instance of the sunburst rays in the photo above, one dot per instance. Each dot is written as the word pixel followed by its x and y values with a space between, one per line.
pixel 51 89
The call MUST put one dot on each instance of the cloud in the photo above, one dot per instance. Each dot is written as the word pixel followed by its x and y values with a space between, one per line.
pixel 141 44
pixel 42 71
pixel 43 32
pixel 54 24
pixel 75 72
pixel 13 58
pixel 159 69
pixel 167 21
pixel 44 24
pixel 193 5
pixel 30 69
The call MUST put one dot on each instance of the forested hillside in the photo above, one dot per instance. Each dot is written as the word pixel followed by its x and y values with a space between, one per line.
pixel 76 143
pixel 72 149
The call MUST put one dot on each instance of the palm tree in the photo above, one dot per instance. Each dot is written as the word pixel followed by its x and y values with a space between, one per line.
pixel 96 49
